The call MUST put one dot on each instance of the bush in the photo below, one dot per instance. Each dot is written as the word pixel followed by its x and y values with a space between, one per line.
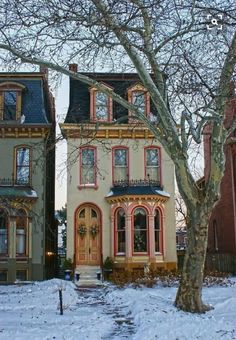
pixel 108 263
pixel 68 264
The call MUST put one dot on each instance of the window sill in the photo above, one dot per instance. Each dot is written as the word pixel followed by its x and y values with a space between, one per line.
pixel 87 186
pixel 141 254
pixel 120 254
pixel 23 258
pixel 4 257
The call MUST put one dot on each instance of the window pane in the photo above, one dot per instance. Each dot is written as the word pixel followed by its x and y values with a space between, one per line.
pixel 3 232
pixel 88 176
pixel 82 214
pixel 138 99
pixel 87 157
pixel 153 173
pixel 140 230
pixel 101 99
pixel 23 157
pixel 9 105
pixel 120 225
pixel 140 241
pixel 152 157
pixel 93 214
pixel 101 112
pixel 120 157
pixel 120 174
pixel 101 106
pixel 157 231
pixel 23 166
pixel 20 241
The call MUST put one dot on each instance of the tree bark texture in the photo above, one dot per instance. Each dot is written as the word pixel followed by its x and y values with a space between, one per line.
pixel 189 295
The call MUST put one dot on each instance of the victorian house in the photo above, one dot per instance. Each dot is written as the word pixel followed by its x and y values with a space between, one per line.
pixel 27 127
pixel 120 201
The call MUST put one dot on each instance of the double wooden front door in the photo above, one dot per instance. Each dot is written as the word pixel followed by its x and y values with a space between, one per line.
pixel 88 236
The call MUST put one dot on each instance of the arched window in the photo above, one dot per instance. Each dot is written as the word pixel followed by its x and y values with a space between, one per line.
pixel 157 230
pixel 3 232
pixel 21 233
pixel 120 231
pixel 140 231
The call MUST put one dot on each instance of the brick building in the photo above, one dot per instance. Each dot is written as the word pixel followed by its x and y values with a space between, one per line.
pixel 222 225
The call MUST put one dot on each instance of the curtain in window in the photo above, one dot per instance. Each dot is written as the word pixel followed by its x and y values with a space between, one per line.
pixel 140 231
pixel 3 232
pixel 23 166
pixel 120 230
pixel 88 166
pixel 120 165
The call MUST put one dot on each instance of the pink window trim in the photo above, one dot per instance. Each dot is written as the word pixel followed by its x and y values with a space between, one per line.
pixel 93 118
pixel 161 252
pixel 113 160
pixel 160 161
pixel 89 185
pixel 147 101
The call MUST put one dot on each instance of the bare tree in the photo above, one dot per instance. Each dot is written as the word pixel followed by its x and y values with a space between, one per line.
pixel 189 47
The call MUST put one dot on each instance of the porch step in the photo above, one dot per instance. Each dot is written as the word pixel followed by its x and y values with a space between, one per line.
pixel 88 276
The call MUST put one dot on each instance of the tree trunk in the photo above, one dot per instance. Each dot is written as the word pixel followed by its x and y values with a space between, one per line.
pixel 189 295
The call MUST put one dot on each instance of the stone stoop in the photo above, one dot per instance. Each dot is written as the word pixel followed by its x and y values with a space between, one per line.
pixel 88 276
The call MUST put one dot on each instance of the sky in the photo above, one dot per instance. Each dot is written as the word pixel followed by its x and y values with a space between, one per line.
pixel 62 101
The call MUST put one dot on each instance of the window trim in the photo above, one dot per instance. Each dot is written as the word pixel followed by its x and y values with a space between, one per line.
pixel 160 162
pixel 11 86
pixel 30 164
pixel 138 88
pixel 93 118
pixel 147 231
pixel 113 161
pixel 89 185
pixel 116 253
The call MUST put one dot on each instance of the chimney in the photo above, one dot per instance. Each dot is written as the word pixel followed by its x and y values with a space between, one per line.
pixel 44 69
pixel 73 67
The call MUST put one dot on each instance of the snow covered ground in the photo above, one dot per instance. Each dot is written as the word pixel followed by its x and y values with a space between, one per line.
pixel 30 312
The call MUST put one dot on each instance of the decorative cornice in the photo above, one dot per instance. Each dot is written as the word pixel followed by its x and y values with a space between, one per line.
pixel 106 131
pixel 132 198
pixel 23 131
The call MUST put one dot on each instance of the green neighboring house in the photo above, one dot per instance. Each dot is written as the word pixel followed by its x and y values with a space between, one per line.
pixel 28 235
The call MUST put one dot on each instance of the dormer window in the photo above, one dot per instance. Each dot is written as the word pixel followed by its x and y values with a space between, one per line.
pixel 10 101
pixel 139 96
pixel 100 106
pixel 9 112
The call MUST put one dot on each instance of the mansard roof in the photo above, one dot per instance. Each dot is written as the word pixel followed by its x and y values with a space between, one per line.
pixel 36 97
pixel 79 103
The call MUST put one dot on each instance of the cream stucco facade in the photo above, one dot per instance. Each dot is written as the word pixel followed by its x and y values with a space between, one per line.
pixel 78 196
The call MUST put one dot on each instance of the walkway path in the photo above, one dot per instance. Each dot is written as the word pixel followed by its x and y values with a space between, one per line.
pixel 95 298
